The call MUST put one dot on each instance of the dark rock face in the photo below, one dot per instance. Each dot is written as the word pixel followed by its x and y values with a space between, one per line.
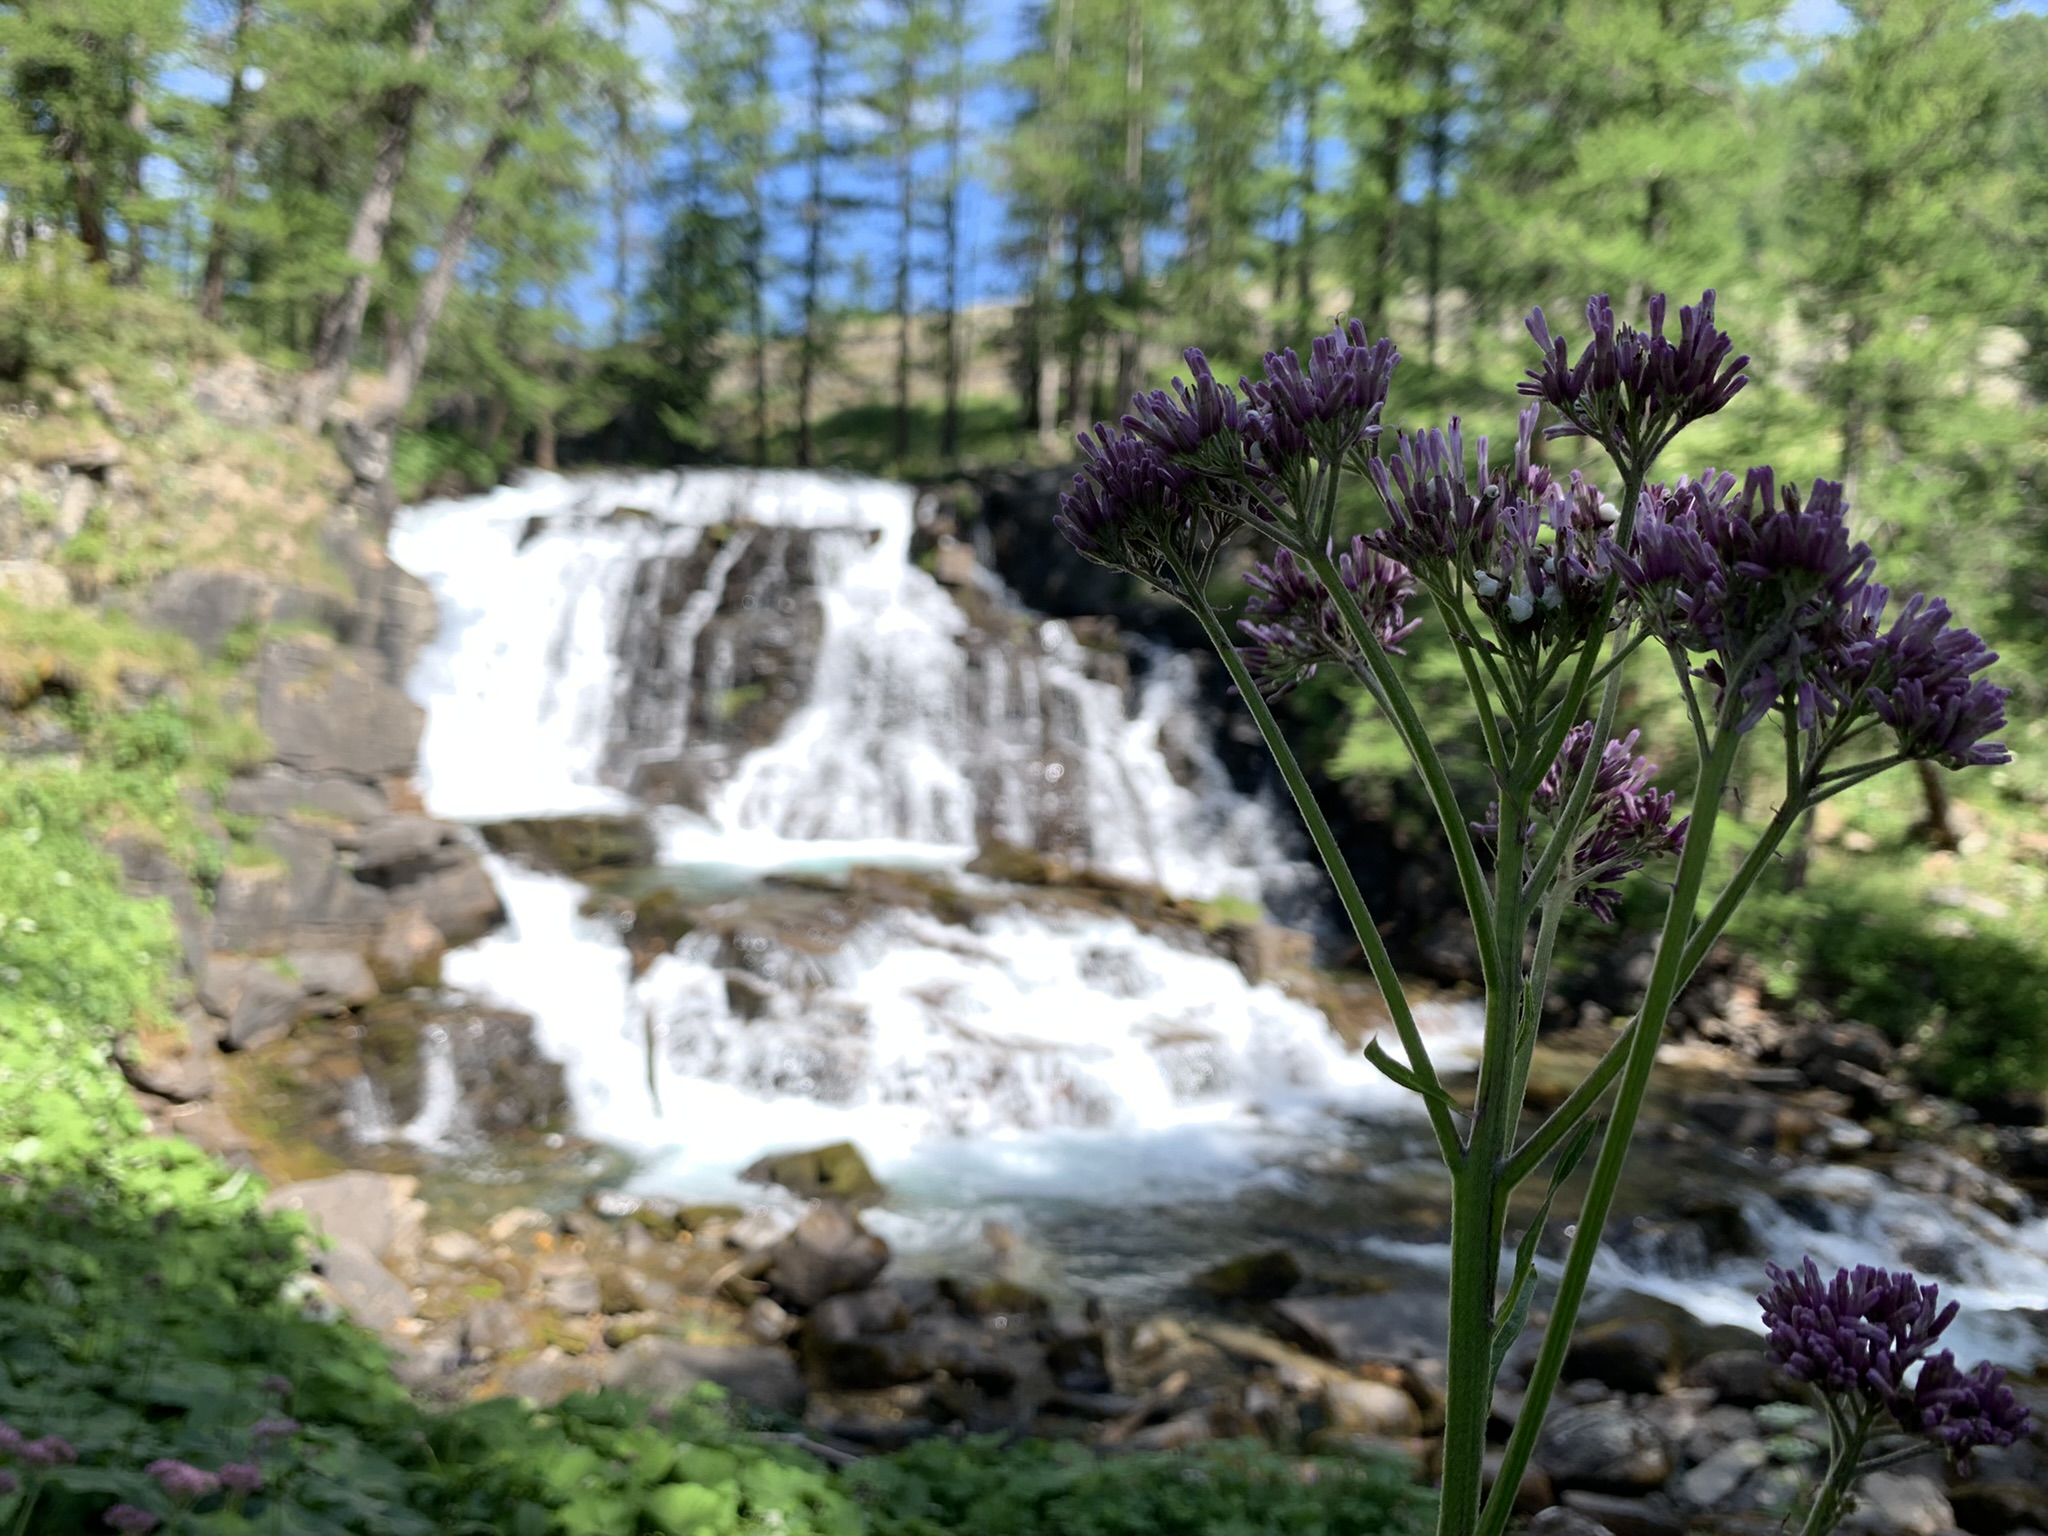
pixel 1254 1277
pixel 721 651
pixel 1745 1377
pixel 505 1084
pixel 828 1254
pixel 330 709
pixel 1627 1356
pixel 573 844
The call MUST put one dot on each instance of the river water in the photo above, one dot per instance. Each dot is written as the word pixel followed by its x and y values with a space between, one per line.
pixel 754 663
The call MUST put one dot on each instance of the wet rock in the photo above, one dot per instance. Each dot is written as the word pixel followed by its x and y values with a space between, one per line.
pixel 457 898
pixel 1719 1426
pixel 768 1323
pixel 1393 1325
pixel 328 709
pixel 1254 1277
pixel 277 791
pixel 366 1290
pixel 515 1222
pixel 495 1327
pixel 829 1253
pixel 663 1369
pixel 1847 1041
pixel 1175 1434
pixel 455 1248
pixel 1741 1119
pixel 397 850
pixel 331 981
pixel 573 844
pixel 1371 1407
pixel 1713 1482
pixel 376 1212
pixel 1603 1448
pixel 1743 1377
pixel 1535 1492
pixel 1629 1356
pixel 305 900
pixel 1562 1520
pixel 985 1300
pixel 1986 1508
pixel 1652 1516
pixel 553 1375
pixel 574 1289
pixel 407 950
pixel 1899 1504
pixel 835 1172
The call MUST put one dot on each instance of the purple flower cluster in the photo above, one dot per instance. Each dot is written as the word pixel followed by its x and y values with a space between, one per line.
pixel 44 1451
pixel 1195 459
pixel 1859 1335
pixel 1293 623
pixel 1775 591
pixel 181 1480
pixel 1627 823
pixel 128 1518
pixel 1532 549
pixel 1630 391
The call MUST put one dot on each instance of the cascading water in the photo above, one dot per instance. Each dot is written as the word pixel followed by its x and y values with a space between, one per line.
pixel 754 662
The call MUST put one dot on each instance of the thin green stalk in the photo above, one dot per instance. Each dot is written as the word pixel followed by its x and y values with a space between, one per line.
pixel 1832 1498
pixel 1471 879
pixel 1628 1103
pixel 1489 728
pixel 1348 893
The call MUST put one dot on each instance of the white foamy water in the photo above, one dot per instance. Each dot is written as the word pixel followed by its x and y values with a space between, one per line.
pixel 1029 1051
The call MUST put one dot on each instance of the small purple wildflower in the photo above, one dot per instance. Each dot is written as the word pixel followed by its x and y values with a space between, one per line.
pixel 1293 622
pixel 1859 1333
pixel 128 1518
pixel 9 1483
pixel 1191 421
pixel 1633 392
pixel 1125 508
pixel 1439 519
pixel 1327 409
pixel 279 1387
pixel 241 1476
pixel 182 1480
pixel 1627 823
pixel 273 1429
pixel 1963 1410
pixel 11 1439
pixel 1923 685
pixel 49 1451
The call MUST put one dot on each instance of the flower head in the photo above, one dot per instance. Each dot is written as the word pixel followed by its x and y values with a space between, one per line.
pixel 1963 1410
pixel 1294 624
pixel 1859 1333
pixel 1207 418
pixel 1626 824
pixel 241 1477
pixel 1326 409
pixel 1125 507
pixel 181 1480
pixel 273 1429
pixel 279 1387
pixel 1632 391
pixel 129 1518
pixel 49 1451
pixel 1923 684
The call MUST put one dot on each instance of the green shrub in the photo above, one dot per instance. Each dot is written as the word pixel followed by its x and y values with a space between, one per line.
pixel 1036 1488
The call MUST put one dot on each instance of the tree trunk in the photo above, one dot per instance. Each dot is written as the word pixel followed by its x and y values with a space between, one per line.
pixel 814 246
pixel 213 287
pixel 621 189
pixel 1076 339
pixel 1045 407
pixel 545 439
pixel 1439 173
pixel 402 371
pixel 949 337
pixel 1130 245
pixel 1938 827
pixel 1389 157
pixel 341 320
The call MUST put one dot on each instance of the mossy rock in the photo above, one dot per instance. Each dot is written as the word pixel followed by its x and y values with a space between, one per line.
pixel 836 1172
pixel 572 844
pixel 1263 1276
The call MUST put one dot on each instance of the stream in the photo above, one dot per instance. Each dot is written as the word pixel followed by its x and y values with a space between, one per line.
pixel 755 666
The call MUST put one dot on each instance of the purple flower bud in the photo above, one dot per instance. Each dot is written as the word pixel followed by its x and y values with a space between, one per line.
pixel 1436 520
pixel 1294 625
pixel 128 1518
pixel 273 1429
pixel 1963 1411
pixel 1859 1333
pixel 1328 408
pixel 1125 504
pixel 1183 420
pixel 49 1451
pixel 181 1480
pixel 1923 685
pixel 1633 392
pixel 1626 823
pixel 241 1477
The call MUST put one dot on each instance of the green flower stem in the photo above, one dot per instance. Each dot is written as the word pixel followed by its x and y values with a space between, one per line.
pixel 1665 979
pixel 1833 1498
pixel 1489 728
pixel 1471 878
pixel 1353 899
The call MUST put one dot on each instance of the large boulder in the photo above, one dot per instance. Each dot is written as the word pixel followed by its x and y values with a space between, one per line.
pixel 377 1212
pixel 1603 1448
pixel 666 1369
pixel 1628 1355
pixel 836 1172
pixel 328 709
pixel 828 1253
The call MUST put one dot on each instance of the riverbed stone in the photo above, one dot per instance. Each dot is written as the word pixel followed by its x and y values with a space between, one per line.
pixel 1265 1276
pixel 1903 1503
pixel 665 1369
pixel 370 1294
pixel 827 1254
pixel 1634 1355
pixel 1742 1377
pixel 1654 1515
pixel 1714 1481
pixel 1391 1325
pixel 1372 1408
pixel 835 1172
pixel 1988 1508
pixel 1604 1448
pixel 495 1327
pixel 378 1212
